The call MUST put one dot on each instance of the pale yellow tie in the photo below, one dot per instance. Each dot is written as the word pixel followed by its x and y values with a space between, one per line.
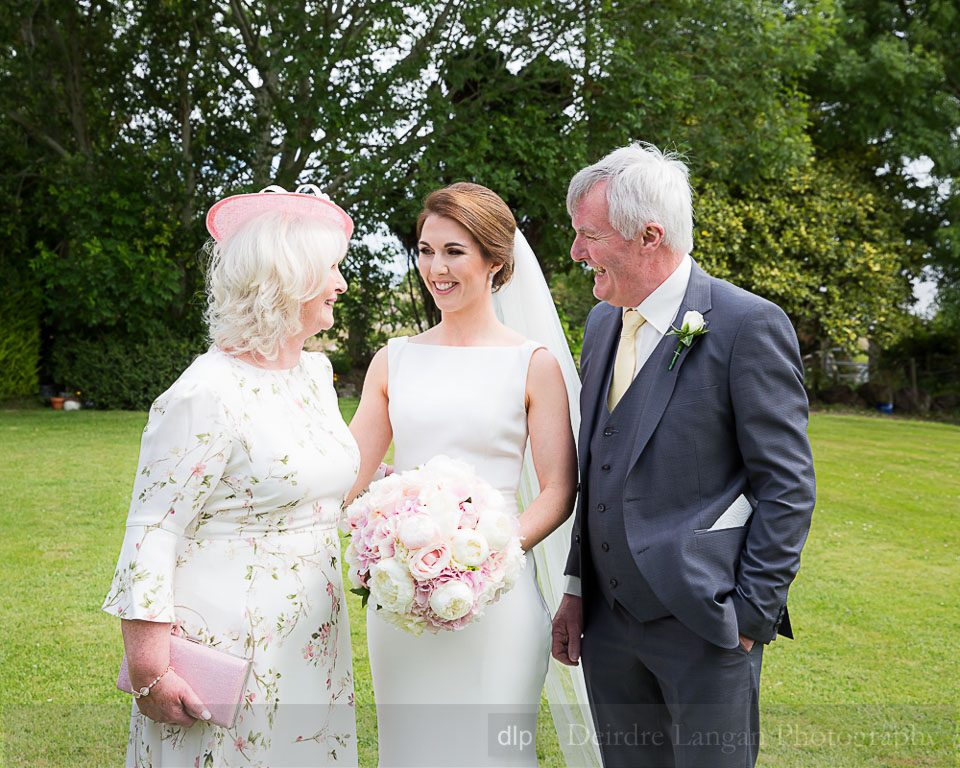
pixel 626 361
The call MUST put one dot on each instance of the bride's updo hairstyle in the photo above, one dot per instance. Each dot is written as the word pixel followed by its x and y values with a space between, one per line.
pixel 484 215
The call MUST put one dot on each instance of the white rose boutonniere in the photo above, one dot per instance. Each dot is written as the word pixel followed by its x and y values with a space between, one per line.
pixel 693 325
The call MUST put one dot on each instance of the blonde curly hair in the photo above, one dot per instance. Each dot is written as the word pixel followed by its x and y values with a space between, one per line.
pixel 259 278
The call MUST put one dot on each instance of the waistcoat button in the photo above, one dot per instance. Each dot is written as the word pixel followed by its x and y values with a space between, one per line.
pixel 613 583
pixel 605 467
pixel 605 547
pixel 601 507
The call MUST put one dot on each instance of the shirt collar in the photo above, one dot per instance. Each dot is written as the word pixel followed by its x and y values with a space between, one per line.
pixel 660 308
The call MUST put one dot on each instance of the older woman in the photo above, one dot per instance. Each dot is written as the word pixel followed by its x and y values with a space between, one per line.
pixel 231 534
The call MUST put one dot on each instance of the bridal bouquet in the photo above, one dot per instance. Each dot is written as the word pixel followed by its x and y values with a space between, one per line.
pixel 432 547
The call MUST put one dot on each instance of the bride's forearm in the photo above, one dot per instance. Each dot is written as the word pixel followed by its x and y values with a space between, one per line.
pixel 545 514
pixel 370 425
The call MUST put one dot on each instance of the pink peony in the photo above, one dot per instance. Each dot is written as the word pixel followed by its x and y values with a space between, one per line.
pixel 384 536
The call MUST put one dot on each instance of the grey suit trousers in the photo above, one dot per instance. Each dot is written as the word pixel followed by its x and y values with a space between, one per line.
pixel 664 697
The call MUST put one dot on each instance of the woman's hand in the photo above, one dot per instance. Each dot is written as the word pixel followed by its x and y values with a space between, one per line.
pixel 171 700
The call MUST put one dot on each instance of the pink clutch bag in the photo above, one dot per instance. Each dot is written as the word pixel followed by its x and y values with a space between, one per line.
pixel 218 678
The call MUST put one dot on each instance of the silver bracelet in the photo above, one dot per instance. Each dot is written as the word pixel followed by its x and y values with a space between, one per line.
pixel 146 689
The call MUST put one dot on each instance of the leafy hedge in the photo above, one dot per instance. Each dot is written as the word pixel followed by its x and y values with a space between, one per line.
pixel 19 345
pixel 117 372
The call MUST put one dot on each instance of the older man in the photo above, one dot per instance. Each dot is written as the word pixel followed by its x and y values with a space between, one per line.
pixel 697 482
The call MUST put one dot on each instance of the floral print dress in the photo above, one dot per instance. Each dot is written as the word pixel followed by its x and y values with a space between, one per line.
pixel 232 533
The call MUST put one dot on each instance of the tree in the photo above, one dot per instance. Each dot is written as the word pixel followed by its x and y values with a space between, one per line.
pixel 680 72
pixel 885 101
pixel 504 128
pixel 820 244
pixel 171 104
pixel 98 241
pixel 128 120
pixel 719 80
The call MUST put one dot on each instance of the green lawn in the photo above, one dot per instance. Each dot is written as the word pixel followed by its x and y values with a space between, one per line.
pixel 871 680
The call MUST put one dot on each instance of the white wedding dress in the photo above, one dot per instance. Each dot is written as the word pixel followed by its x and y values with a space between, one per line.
pixel 470 697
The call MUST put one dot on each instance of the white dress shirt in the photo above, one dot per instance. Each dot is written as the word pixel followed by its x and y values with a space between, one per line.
pixel 659 310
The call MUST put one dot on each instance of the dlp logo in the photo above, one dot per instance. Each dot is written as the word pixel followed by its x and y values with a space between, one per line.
pixel 514 736
pixel 511 733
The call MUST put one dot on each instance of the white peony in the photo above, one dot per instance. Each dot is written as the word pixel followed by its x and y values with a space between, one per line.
pixel 692 321
pixel 469 547
pixel 405 621
pixel 496 527
pixel 385 493
pixel 514 563
pixel 443 507
pixel 452 600
pixel 418 531
pixel 391 585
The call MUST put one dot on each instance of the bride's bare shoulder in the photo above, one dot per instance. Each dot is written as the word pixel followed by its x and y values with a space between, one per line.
pixel 429 336
pixel 511 338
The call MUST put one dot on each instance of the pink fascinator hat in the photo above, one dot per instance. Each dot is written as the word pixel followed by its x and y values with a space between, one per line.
pixel 228 215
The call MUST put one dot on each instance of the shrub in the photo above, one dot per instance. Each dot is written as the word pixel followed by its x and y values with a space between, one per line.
pixel 119 372
pixel 19 344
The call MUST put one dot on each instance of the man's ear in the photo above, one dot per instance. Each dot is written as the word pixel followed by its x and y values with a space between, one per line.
pixel 652 236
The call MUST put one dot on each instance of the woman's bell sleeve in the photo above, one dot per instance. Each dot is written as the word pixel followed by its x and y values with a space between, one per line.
pixel 183 452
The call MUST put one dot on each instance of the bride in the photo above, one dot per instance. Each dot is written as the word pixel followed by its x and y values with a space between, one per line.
pixel 475 390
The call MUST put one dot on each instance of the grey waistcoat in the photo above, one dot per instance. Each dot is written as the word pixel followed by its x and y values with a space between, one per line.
pixel 615 572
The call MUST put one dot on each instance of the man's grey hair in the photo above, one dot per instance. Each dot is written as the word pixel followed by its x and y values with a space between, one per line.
pixel 644 185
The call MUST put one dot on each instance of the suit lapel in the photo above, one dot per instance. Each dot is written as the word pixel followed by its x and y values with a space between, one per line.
pixel 697 297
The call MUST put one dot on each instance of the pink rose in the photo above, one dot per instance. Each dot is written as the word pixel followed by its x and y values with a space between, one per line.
pixel 428 562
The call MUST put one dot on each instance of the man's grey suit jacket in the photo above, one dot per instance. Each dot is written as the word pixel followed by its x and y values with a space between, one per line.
pixel 730 418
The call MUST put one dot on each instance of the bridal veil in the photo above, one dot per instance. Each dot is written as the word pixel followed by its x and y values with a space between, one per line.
pixel 525 305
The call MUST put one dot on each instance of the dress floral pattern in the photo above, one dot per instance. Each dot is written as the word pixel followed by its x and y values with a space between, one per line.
pixel 232 534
